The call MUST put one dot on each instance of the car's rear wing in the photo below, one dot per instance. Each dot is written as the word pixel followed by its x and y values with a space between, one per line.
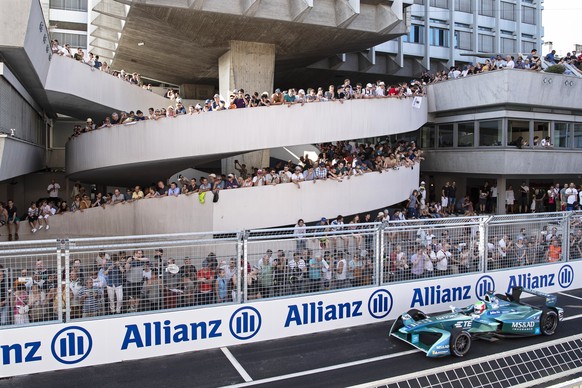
pixel 517 291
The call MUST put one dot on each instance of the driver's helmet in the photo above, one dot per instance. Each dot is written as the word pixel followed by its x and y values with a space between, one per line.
pixel 479 307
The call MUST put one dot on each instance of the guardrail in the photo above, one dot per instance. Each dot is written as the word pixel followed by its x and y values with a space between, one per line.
pixel 73 279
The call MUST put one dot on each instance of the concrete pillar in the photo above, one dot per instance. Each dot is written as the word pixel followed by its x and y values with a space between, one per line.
pixel 249 66
pixel 501 190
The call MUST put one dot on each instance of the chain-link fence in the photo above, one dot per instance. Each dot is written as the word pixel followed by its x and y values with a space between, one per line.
pixel 75 279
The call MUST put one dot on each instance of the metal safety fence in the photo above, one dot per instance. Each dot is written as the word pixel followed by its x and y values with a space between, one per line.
pixel 89 278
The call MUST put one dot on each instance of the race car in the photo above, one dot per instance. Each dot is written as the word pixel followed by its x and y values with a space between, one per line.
pixel 496 316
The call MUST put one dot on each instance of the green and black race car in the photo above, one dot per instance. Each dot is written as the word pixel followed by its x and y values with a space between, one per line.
pixel 496 316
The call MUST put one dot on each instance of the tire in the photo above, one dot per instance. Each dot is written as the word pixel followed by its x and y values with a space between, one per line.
pixel 548 322
pixel 460 343
pixel 417 315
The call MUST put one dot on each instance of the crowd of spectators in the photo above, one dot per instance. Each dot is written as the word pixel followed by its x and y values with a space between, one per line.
pixel 332 255
pixel 95 63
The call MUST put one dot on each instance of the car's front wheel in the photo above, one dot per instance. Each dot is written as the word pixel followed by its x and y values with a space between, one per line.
pixel 548 322
pixel 460 343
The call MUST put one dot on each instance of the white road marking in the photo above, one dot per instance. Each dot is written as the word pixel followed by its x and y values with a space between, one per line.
pixel 571 296
pixel 572 317
pixel 325 369
pixel 239 368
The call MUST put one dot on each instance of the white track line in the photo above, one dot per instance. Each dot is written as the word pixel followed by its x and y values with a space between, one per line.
pixel 572 317
pixel 325 369
pixel 239 368
pixel 571 296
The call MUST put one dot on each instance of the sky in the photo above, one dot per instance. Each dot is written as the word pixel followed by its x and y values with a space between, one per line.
pixel 560 19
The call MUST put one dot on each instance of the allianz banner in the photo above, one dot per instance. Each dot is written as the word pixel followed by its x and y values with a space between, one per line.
pixel 27 350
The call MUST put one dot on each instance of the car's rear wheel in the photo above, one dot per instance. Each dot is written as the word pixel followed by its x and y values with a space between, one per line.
pixel 417 315
pixel 548 322
pixel 460 343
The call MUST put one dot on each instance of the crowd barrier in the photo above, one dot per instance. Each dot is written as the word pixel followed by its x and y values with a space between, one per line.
pixel 172 312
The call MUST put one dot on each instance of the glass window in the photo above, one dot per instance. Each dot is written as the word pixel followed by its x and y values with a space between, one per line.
pixel 69 5
pixel 427 136
pixel 578 135
pixel 528 15
pixel 75 40
pixel 463 6
pixel 490 133
pixel 561 135
pixel 485 43
pixel 466 133
pixel 439 3
pixel 439 37
pixel 517 129
pixel 415 35
pixel 446 135
pixel 421 2
pixel 462 40
pixel 486 7
pixel 507 45
pixel 541 131
pixel 507 11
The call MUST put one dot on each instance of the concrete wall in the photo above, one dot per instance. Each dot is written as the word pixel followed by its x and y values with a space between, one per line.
pixel 533 162
pixel 73 87
pixel 247 208
pixel 211 136
pixel 519 87
pixel 18 157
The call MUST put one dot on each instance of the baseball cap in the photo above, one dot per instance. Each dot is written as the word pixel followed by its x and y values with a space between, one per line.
pixel 230 176
pixel 323 219
pixel 212 175
pixel 422 183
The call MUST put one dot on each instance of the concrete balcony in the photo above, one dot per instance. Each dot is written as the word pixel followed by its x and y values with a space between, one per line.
pixel 75 89
pixel 506 87
pixel 18 157
pixel 149 150
pixel 264 206
pixel 503 161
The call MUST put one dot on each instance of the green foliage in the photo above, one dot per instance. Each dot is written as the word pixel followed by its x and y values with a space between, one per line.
pixel 556 69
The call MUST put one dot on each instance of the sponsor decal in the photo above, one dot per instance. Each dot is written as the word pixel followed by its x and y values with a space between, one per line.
pixel 245 323
pixel 71 345
pixel 566 276
pixel 484 285
pixel 436 295
pixel 380 304
pixel 160 333
pixel 316 312
pixel 529 280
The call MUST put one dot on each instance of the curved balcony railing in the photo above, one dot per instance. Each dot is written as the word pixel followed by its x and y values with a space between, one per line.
pixel 139 151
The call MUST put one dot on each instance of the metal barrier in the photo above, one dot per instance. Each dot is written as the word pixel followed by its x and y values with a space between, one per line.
pixel 74 279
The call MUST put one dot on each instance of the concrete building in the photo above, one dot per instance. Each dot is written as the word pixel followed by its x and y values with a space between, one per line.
pixel 68 21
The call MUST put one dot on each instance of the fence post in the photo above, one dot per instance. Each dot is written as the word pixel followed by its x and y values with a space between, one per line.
pixel 60 255
pixel 244 288
pixel 379 263
pixel 566 239
pixel 240 252
pixel 483 238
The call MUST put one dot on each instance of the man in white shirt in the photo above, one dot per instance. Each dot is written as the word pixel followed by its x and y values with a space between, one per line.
pixel 53 189
pixel 571 197
pixel 510 64
pixel 443 256
pixel 297 177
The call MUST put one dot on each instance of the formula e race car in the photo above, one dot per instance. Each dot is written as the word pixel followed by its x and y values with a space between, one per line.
pixel 497 316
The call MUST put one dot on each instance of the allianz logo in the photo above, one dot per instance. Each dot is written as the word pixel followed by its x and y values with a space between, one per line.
pixel 316 312
pixel 564 278
pixel 426 296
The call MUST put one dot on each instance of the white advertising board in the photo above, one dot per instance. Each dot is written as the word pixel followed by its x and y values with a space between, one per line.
pixel 36 349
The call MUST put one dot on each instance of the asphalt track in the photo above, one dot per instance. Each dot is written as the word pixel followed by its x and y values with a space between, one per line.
pixel 330 359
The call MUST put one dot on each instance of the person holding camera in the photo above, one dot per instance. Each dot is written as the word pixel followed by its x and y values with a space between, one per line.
pixel 297 272
pixel 114 275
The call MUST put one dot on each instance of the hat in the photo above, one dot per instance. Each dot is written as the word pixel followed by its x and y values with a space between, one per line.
pixel 198 106
pixel 208 101
pixel 323 219
pixel 380 214
pixel 277 90
pixel 259 171
pixel 298 168
pixel 173 269
pixel 89 120
pixel 230 176
pixel 422 183
pixel 212 175
pixel 321 163
pixel 216 95
pixel 369 85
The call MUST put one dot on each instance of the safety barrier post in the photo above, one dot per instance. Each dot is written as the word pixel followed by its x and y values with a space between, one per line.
pixel 566 236
pixel 483 238
pixel 380 249
pixel 244 288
